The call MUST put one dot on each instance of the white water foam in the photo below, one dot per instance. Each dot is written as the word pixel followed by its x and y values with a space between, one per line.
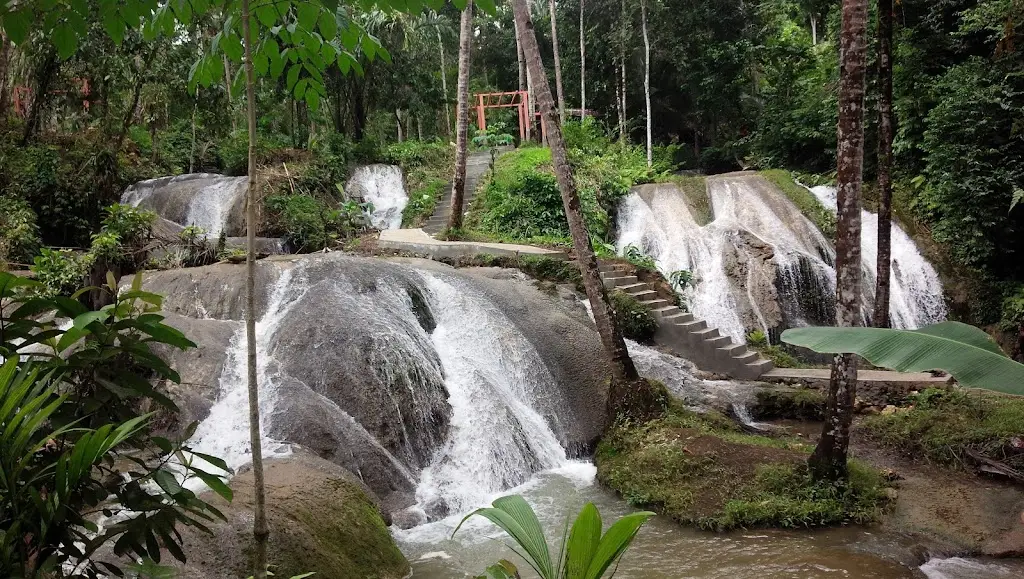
pixel 498 386
pixel 960 568
pixel 916 298
pixel 211 206
pixel 384 188
pixel 224 433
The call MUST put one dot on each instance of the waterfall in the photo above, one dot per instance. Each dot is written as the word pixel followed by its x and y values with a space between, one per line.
pixel 211 206
pixel 383 187
pixel 497 387
pixel 760 263
pixel 204 200
pixel 915 291
pixel 225 432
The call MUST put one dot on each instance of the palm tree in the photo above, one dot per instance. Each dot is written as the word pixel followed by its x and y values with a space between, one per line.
pixel 583 65
pixel 260 530
pixel 828 461
pixel 558 61
pixel 461 119
pixel 885 131
pixel 624 372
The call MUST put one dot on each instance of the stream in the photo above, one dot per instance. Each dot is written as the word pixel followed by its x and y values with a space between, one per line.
pixel 663 549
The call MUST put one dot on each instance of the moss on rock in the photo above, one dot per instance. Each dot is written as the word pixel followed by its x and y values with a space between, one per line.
pixel 702 470
pixel 799 403
pixel 321 520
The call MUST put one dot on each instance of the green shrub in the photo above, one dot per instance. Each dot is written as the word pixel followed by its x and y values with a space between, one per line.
pixel 19 232
pixel 636 320
pixel 124 237
pixel 60 272
pixel 638 258
pixel 310 224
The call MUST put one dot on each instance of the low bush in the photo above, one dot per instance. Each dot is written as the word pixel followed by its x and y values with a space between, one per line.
pixel 310 224
pixel 19 232
pixel 635 319
pixel 60 272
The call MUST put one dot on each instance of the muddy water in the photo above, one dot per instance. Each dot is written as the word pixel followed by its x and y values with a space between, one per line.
pixel 666 550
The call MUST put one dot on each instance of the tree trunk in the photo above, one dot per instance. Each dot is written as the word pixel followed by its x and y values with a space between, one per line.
pixel 260 531
pixel 136 95
pixel 192 150
pixel 623 369
pixel 227 85
pixel 558 61
pixel 618 96
pixel 828 461
pixel 444 83
pixel 583 66
pixel 531 110
pixel 419 129
pixel 398 122
pixel 528 121
pixel 814 29
pixel 885 137
pixel 41 94
pixel 461 119
pixel 5 67
pixel 622 64
pixel 647 82
pixel 358 111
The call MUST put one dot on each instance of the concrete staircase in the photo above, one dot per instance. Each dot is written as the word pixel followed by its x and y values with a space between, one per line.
pixel 477 165
pixel 687 336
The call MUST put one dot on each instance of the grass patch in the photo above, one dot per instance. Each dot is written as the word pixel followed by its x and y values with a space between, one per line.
pixel 701 470
pixel 802 403
pixel 428 169
pixel 696 190
pixel 942 426
pixel 804 200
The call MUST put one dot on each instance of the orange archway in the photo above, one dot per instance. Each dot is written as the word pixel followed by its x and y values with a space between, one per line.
pixel 520 100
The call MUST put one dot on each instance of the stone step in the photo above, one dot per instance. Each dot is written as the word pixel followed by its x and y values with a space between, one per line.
pixel 643 294
pixel 612 281
pixel 680 318
pixel 654 304
pixel 614 273
pixel 755 369
pixel 749 357
pixel 633 287
pixel 718 342
pixel 665 312
pixel 737 350
pixel 707 333
pixel 694 326
pixel 607 267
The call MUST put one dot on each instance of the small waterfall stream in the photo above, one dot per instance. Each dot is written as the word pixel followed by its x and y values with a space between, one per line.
pixel 203 200
pixel 383 186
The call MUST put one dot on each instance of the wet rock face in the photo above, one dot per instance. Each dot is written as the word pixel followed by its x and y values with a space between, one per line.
pixel 349 358
pixel 212 202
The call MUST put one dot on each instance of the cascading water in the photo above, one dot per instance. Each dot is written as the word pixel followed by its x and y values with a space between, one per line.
pixel 384 188
pixel 203 200
pixel 496 381
pixel 760 263
pixel 915 291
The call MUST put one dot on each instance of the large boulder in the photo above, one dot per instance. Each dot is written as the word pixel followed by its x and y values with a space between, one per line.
pixel 212 202
pixel 322 520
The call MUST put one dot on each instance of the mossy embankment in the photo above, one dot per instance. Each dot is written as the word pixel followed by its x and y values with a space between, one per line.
pixel 704 470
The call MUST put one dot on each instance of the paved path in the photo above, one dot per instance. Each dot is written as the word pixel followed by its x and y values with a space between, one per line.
pixel 477 165
pixel 417 241
pixel 822 374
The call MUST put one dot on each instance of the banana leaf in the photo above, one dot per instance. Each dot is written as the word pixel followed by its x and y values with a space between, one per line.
pixel 965 352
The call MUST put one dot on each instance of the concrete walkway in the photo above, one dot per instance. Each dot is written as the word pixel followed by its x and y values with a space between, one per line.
pixel 417 241
pixel 923 379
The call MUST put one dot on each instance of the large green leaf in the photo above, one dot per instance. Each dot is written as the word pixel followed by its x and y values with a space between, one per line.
pixel 583 541
pixel 964 351
pixel 515 516
pixel 615 542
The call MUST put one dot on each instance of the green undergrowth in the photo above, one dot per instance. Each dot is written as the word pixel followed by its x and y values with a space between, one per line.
pixel 635 319
pixel 801 403
pixel 782 355
pixel 943 426
pixel 703 470
pixel 808 204
pixel 428 168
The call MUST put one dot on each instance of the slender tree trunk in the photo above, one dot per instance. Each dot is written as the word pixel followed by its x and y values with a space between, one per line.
pixel 358 111
pixel 885 136
pixel 419 129
pixel 192 150
pixel 260 531
pixel 40 94
pixel 611 336
pixel 524 87
pixel 829 458
pixel 558 61
pixel 231 100
pixel 461 119
pixel 444 83
pixel 5 67
pixel 398 122
pixel 814 29
pixel 647 83
pixel 622 70
pixel 583 66
pixel 136 95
